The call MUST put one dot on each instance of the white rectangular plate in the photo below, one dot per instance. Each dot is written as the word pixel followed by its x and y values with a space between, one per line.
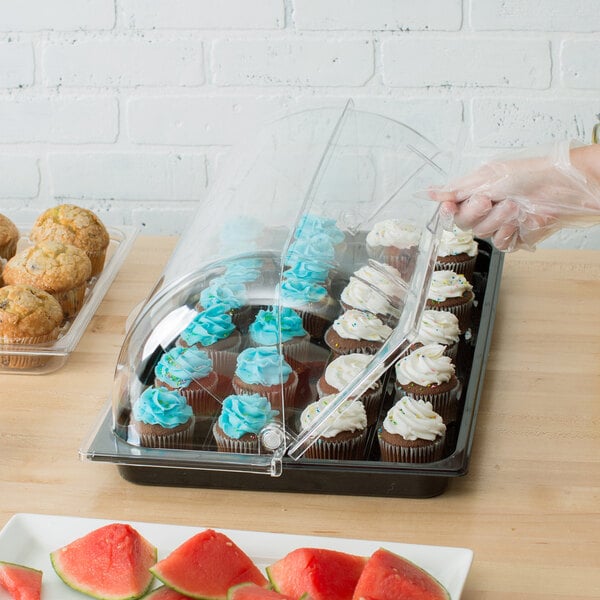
pixel 28 539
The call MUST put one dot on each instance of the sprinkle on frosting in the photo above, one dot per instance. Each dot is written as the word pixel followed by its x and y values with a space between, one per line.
pixel 276 324
pixel 447 284
pixel 359 325
pixel 350 416
pixel 456 241
pixel 438 327
pixel 243 414
pixel 425 366
pixel 160 406
pixel 179 366
pixel 414 420
pixel 209 327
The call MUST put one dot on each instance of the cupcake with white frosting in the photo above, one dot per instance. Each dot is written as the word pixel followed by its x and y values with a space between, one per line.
pixel 412 432
pixel 428 374
pixel 451 292
pixel 395 242
pixel 344 369
pixel 439 327
pixel 457 252
pixel 356 331
pixel 366 296
pixel 346 435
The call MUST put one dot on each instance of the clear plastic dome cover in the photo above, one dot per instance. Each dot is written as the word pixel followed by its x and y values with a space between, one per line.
pixel 291 237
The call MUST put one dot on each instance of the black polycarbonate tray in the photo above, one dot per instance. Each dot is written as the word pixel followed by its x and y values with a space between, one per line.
pixel 362 478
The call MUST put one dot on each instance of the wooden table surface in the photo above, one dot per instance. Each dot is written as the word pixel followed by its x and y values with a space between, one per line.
pixel 529 507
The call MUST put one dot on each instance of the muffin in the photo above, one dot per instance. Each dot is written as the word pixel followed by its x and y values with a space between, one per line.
pixel 457 252
pixel 283 326
pixel 361 295
pixel 212 330
pixel 412 433
pixel 396 243
pixel 343 370
pixel 162 418
pixel 74 225
pixel 265 372
pixel 439 327
pixel 240 422
pixel 345 438
pixel 27 316
pixel 59 269
pixel 311 301
pixel 9 238
pixel 190 372
pixel 230 296
pixel 451 292
pixel 356 331
pixel 428 374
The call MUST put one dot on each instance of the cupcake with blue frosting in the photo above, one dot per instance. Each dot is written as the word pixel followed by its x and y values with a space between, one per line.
pixel 265 371
pixel 190 372
pixel 240 422
pixel 231 296
pixel 162 418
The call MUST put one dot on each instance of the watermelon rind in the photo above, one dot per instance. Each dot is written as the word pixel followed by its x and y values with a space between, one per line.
pixel 165 593
pixel 32 591
pixel 59 567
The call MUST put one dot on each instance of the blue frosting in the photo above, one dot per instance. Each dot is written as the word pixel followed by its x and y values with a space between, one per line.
pixel 242 414
pixel 317 248
pixel 264 365
pixel 208 327
pixel 311 272
pixel 230 294
pixel 179 366
pixel 297 292
pixel 241 271
pixel 160 406
pixel 310 224
pixel 276 324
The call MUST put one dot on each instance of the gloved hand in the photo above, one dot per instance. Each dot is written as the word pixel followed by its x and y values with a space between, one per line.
pixel 522 200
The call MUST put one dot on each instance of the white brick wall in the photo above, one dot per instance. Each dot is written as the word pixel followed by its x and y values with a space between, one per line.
pixel 130 106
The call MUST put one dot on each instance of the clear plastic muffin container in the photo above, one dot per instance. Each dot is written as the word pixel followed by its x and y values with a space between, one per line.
pixel 294 206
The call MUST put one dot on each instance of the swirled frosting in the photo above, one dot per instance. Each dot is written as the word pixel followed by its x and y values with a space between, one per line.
pixel 241 271
pixel 160 406
pixel 263 366
pixel 438 327
pixel 384 277
pixel 341 371
pixel 414 420
pixel 359 325
pixel 208 327
pixel 317 249
pixel 311 272
pixel 361 295
pixel 242 414
pixel 447 284
pixel 179 366
pixel 425 366
pixel 311 224
pixel 274 325
pixel 227 293
pixel 298 293
pixel 350 416
pixel 456 241
pixel 394 232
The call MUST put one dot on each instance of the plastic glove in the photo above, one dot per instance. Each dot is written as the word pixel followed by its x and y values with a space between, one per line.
pixel 521 201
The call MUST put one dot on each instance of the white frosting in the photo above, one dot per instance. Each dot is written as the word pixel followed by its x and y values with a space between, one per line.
pixel 456 242
pixel 394 232
pixel 350 416
pixel 341 371
pixel 359 325
pixel 427 365
pixel 438 327
pixel 414 419
pixel 384 277
pixel 447 284
pixel 359 294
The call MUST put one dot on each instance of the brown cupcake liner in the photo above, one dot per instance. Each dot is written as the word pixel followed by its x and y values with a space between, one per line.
pixel 229 444
pixel 177 440
pixel 462 267
pixel 27 361
pixel 412 454
pixel 71 301
pixel 351 449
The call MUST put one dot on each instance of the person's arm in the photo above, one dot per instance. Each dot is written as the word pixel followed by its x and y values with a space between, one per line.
pixel 521 201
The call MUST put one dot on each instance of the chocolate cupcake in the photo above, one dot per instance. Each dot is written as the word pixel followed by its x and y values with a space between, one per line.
pixel 241 420
pixel 428 374
pixel 346 434
pixel 344 369
pixel 231 297
pixel 9 238
pixel 190 372
pixel 457 252
pixel 362 295
pixel 162 418
pixel 451 292
pixel 264 371
pixel 412 433
pixel 356 331
pixel 439 327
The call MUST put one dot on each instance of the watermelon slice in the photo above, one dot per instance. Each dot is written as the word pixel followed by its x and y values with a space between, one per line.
pixel 165 593
pixel 111 563
pixel 322 574
pixel 206 566
pixel 22 583
pixel 251 591
pixel 387 576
